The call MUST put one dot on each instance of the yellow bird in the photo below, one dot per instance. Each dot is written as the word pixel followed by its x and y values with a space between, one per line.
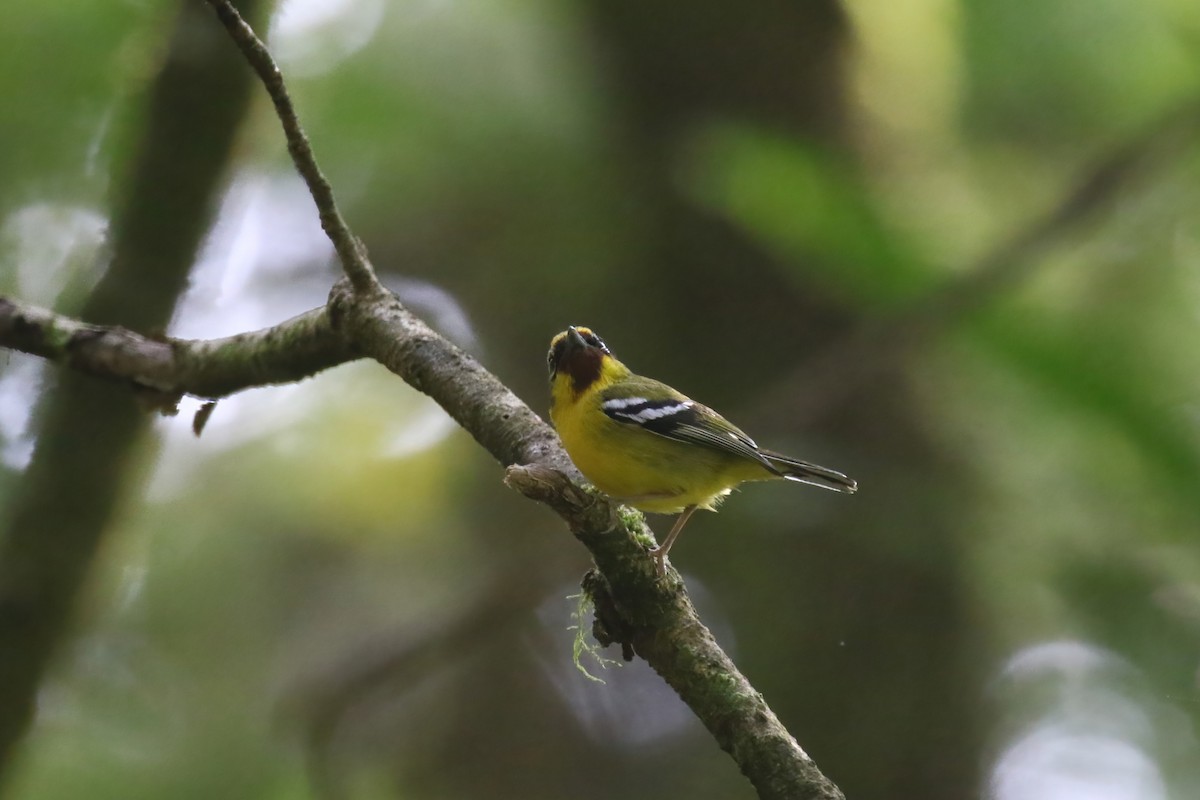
pixel 648 446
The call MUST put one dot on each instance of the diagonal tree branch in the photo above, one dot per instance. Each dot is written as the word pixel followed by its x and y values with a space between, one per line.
pixel 658 622
pixel 382 328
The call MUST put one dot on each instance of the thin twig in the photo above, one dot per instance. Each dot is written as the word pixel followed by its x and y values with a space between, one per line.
pixel 351 251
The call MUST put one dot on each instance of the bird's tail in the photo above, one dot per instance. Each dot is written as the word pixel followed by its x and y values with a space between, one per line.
pixel 813 474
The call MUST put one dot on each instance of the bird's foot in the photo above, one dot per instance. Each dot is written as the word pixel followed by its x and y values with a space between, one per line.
pixel 659 554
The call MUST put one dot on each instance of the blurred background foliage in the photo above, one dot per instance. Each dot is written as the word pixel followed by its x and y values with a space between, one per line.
pixel 331 594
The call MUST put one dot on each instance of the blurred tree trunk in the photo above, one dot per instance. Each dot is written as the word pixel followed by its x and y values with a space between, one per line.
pixel 90 428
pixel 875 621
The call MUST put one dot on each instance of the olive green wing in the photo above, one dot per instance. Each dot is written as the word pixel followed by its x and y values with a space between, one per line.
pixel 659 409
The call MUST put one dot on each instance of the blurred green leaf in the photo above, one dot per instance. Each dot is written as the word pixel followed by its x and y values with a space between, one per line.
pixel 807 206
pixel 1051 74
pixel 1109 381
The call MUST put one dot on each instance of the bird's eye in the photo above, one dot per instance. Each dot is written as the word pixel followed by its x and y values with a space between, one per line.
pixel 556 353
pixel 595 341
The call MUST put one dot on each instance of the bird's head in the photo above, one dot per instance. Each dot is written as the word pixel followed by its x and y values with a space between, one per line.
pixel 579 358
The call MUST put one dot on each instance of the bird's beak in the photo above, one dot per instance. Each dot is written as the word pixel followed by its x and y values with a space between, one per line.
pixel 574 340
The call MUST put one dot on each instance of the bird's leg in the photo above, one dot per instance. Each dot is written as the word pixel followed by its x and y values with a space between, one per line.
pixel 660 553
